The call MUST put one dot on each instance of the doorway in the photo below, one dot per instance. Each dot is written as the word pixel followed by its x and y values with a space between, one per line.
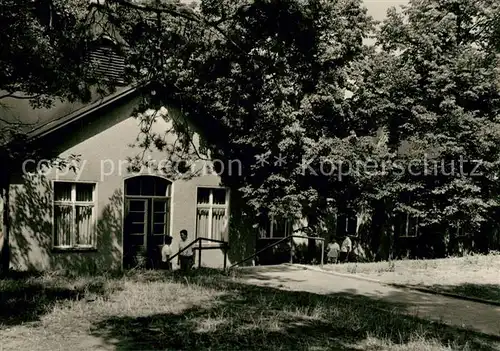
pixel 147 220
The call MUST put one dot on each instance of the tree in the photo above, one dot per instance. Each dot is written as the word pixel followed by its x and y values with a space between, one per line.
pixel 275 83
pixel 435 85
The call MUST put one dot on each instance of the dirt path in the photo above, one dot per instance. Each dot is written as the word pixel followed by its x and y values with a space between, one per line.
pixel 470 315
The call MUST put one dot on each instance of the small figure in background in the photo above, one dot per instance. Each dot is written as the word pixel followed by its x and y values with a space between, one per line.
pixel 333 251
pixel 359 252
pixel 186 257
pixel 166 253
pixel 345 249
pixel 353 255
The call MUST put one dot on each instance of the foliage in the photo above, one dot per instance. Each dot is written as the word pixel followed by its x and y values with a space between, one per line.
pixel 273 83
pixel 45 47
pixel 366 127
pixel 435 86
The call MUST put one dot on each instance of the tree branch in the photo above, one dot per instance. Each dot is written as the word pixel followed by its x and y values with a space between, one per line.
pixel 10 123
pixel 187 14
pixel 11 95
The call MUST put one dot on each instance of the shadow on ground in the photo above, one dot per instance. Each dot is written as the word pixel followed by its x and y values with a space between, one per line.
pixel 248 317
pixel 261 273
pixel 27 297
pixel 482 291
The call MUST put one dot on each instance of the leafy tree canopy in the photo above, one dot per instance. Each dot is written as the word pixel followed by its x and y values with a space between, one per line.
pixel 435 85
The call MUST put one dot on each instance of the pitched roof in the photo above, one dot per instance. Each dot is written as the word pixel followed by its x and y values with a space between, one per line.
pixel 38 122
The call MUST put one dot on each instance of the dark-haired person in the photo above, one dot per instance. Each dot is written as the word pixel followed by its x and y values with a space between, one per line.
pixel 186 257
pixel 333 251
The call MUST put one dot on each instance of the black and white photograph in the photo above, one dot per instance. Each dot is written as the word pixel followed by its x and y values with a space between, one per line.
pixel 250 175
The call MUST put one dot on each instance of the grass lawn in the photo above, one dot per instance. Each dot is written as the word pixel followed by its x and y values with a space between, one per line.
pixel 205 310
pixel 476 276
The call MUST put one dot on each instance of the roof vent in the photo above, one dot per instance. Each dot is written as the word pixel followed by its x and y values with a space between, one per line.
pixel 108 64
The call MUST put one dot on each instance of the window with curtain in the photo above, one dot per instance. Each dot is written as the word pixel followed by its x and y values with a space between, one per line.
pixel 212 213
pixel 74 215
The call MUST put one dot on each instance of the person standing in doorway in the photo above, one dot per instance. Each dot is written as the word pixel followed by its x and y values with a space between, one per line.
pixel 186 257
pixel 345 249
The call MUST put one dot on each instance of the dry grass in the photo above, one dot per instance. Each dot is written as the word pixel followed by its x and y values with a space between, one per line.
pixel 476 275
pixel 206 310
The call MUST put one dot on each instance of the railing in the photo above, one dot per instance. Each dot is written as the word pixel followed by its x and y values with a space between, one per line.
pixel 224 245
pixel 290 237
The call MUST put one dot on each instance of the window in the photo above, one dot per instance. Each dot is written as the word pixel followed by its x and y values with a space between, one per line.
pixel 461 230
pixel 74 215
pixel 347 223
pixel 147 186
pixel 408 225
pixel 276 227
pixel 407 221
pixel 212 211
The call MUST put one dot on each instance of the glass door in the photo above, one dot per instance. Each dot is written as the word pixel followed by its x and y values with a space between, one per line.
pixel 135 232
pixel 160 228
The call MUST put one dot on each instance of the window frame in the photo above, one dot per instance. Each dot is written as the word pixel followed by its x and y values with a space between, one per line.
pixel 140 177
pixel 344 221
pixel 210 207
pixel 106 47
pixel 288 223
pixel 271 223
pixel 73 203
pixel 405 223
pixel 461 230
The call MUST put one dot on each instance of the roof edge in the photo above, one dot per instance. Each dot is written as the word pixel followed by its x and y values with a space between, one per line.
pixel 47 128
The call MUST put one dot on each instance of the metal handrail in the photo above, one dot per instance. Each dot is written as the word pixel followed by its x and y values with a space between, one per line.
pixel 224 245
pixel 291 251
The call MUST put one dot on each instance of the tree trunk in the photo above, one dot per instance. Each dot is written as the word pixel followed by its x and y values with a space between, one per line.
pixel 5 254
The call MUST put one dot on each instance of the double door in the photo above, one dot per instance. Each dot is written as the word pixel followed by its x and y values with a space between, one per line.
pixel 146 226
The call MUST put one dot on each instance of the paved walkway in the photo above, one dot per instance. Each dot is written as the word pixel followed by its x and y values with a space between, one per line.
pixel 465 314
